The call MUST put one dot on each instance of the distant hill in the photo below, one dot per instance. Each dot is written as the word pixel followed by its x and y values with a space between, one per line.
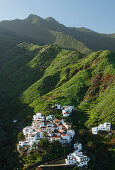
pixel 47 31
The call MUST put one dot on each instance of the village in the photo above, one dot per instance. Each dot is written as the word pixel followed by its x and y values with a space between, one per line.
pixel 57 130
pixel 50 127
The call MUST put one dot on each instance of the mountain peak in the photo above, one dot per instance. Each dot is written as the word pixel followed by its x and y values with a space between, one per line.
pixel 51 19
pixel 32 17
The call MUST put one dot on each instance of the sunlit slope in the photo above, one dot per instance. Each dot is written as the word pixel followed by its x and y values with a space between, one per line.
pixel 56 75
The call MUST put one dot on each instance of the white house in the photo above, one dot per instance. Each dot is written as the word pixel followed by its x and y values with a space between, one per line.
pixel 65 113
pixel 55 138
pixel 68 107
pixel 50 117
pixel 94 130
pixel 28 129
pixel 34 142
pixel 70 159
pixel 23 143
pixel 57 106
pixel 105 127
pixel 78 147
pixel 67 110
pixel 66 137
pixel 37 116
pixel 102 127
pixel 41 124
pixel 77 157
pixel 50 125
pixel 81 159
pixel 71 132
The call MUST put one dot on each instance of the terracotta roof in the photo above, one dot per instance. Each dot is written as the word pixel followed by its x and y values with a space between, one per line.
pixel 56 120
pixel 57 136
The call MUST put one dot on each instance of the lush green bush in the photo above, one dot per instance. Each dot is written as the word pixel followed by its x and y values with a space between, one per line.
pixel 20 136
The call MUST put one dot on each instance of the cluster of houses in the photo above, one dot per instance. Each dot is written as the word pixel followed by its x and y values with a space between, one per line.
pixel 46 126
pixel 102 127
pixel 77 156
pixel 57 130
pixel 66 110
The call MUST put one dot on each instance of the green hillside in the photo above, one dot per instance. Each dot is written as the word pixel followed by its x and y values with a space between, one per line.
pixel 33 78
pixel 66 77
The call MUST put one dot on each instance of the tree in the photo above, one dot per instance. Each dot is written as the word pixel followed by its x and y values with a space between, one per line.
pixel 44 134
pixel 90 144
pixel 81 132
pixel 75 168
pixel 45 144
pixel 21 136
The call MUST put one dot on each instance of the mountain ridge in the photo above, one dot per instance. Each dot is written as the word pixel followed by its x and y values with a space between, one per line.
pixel 38 30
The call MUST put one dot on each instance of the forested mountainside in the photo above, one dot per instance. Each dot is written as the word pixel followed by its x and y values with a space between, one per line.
pixel 33 78
pixel 44 74
pixel 46 31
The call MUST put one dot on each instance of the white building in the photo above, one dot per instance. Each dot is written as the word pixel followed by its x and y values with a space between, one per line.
pixel 66 137
pixel 67 110
pixel 105 127
pixel 102 127
pixel 23 143
pixel 81 159
pixel 78 147
pixel 50 117
pixel 28 130
pixel 77 157
pixel 71 132
pixel 95 130
pixel 68 107
pixel 70 159
pixel 65 113
pixel 37 116
pixel 57 106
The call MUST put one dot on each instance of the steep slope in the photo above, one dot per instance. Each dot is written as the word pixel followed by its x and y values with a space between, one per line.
pixel 47 31
pixel 64 76
pixel 35 77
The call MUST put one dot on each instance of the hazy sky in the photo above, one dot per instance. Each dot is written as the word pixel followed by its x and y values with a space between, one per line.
pixel 98 15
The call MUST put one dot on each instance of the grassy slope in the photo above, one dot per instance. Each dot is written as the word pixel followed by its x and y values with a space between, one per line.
pixel 56 75
pixel 39 76
pixel 69 42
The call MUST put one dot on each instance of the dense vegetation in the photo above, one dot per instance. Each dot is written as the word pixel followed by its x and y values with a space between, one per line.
pixel 35 77
pixel 67 72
